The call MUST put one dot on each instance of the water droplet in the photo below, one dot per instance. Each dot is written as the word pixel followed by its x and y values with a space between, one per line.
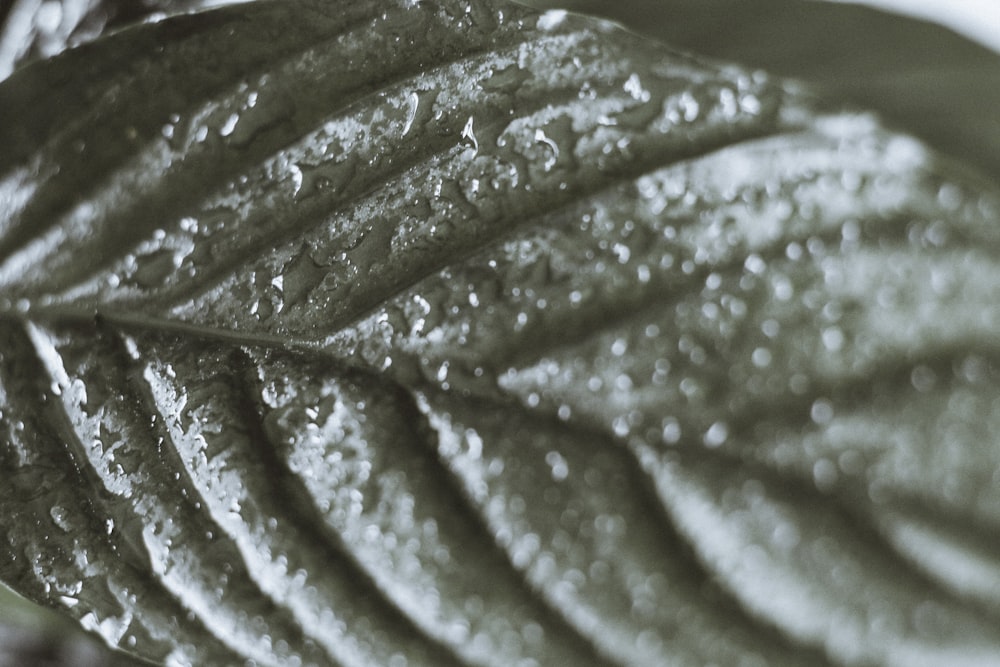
pixel 821 411
pixel 825 475
pixel 61 518
pixel 542 138
pixel 633 86
pixel 450 191
pixel 509 79
pixel 48 17
pixel 671 432
pixel 230 125
pixel 716 435
pixel 551 19
pixel 469 135
pixel 750 104
pixel 301 276
pixel 619 347
pixel 558 464
pixel 255 116
pixel 833 339
pixel 728 104
pixel 153 269
pixel 688 106
pixel 330 176
pixel 755 264
pixel 622 252
pixel 761 357
pixel 413 104
pixel 950 197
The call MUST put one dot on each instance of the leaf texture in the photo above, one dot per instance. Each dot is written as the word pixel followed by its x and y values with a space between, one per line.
pixel 458 334
pixel 920 76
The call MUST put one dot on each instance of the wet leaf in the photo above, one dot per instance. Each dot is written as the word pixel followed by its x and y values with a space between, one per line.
pixel 450 333
pixel 919 76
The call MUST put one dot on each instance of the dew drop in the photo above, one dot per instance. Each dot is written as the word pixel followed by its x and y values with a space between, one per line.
pixel 619 347
pixel 671 432
pixel 551 19
pixel 825 475
pixel 558 464
pixel 750 104
pixel 48 17
pixel 230 125
pixel 633 86
pixel 332 175
pixel 61 518
pixel 755 265
pixel 716 435
pixel 542 138
pixel 761 357
pixel 728 103
pixel 469 134
pixel 153 269
pixel 301 276
pixel 833 339
pixel 821 411
pixel 413 104
pixel 509 78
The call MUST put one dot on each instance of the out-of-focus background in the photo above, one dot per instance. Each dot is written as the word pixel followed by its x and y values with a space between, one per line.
pixel 976 19
pixel 935 74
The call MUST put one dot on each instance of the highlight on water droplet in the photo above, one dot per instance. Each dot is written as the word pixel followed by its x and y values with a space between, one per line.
pixel 413 103
pixel 542 138
pixel 552 19
pixel 716 435
pixel 469 134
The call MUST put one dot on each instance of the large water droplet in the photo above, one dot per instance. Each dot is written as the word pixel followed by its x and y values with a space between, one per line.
pixel 153 269
pixel 61 518
pixel 552 19
pixel 330 176
pixel 301 276
pixel 509 79
pixel 469 134
pixel 419 110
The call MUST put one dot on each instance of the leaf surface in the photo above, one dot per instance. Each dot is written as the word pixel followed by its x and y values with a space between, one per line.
pixel 450 333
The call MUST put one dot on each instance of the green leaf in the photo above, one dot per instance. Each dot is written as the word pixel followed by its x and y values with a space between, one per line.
pixel 454 333
pixel 921 77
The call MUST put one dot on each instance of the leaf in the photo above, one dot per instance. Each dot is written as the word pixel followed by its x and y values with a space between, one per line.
pixel 919 76
pixel 449 333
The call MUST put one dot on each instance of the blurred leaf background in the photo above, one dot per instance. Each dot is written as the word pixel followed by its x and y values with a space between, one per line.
pixel 921 77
